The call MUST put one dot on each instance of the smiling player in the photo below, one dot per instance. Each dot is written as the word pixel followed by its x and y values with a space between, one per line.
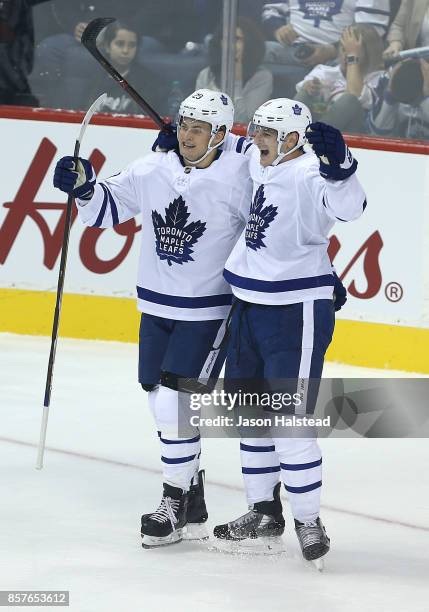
pixel 194 202
pixel 283 321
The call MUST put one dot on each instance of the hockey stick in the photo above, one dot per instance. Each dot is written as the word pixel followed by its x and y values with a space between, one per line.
pixel 60 288
pixel 89 41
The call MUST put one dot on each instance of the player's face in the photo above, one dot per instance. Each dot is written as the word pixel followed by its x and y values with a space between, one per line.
pixel 123 48
pixel 194 137
pixel 266 141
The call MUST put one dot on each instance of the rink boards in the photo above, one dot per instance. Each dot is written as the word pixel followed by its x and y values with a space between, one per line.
pixel 383 257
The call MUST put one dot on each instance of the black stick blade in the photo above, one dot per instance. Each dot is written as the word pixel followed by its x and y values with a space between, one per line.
pixel 93 29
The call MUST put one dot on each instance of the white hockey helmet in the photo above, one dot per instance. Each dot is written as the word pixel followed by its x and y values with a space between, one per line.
pixel 213 107
pixel 285 116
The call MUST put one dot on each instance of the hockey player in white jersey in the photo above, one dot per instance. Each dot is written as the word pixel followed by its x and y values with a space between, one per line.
pixel 194 203
pixel 283 318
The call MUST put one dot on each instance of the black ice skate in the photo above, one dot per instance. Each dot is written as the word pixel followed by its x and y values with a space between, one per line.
pixel 257 531
pixel 313 541
pixel 196 517
pixel 165 526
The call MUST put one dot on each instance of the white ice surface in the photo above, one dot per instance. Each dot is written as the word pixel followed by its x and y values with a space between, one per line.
pixel 75 524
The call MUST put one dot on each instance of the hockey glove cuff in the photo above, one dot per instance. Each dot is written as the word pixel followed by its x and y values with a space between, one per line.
pixel 166 141
pixel 79 182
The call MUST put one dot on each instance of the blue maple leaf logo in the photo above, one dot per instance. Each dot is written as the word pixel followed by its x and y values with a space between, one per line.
pixel 316 10
pixel 297 110
pixel 259 220
pixel 174 239
pixel 224 100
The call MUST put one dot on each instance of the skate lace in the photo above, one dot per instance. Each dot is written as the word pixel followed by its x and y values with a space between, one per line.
pixel 245 519
pixel 310 534
pixel 167 511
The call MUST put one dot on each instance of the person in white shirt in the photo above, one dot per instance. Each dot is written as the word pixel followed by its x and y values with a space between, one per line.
pixel 342 95
pixel 193 202
pixel 318 25
pixel 283 315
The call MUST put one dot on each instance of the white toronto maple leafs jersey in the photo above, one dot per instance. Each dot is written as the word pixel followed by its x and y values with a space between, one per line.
pixel 282 255
pixel 190 223
pixel 323 21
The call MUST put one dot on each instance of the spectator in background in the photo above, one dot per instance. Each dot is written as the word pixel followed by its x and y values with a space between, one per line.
pixel 410 27
pixel 16 51
pixel 170 25
pixel 342 95
pixel 119 44
pixel 71 18
pixel 307 33
pixel 253 84
pixel 401 108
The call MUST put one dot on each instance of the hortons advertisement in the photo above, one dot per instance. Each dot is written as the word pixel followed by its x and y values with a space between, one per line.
pixel 381 258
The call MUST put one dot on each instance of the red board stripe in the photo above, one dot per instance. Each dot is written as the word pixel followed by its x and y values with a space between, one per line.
pixel 67 116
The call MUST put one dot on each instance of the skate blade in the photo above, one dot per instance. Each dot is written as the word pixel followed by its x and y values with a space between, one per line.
pixel 153 542
pixel 257 546
pixel 195 531
pixel 319 564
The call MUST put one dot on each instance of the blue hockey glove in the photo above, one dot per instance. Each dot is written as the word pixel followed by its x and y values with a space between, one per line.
pixel 166 140
pixel 328 143
pixel 340 293
pixel 80 182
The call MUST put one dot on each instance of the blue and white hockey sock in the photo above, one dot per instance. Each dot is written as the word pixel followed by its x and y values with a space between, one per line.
pixel 151 400
pixel 260 468
pixel 180 456
pixel 301 473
